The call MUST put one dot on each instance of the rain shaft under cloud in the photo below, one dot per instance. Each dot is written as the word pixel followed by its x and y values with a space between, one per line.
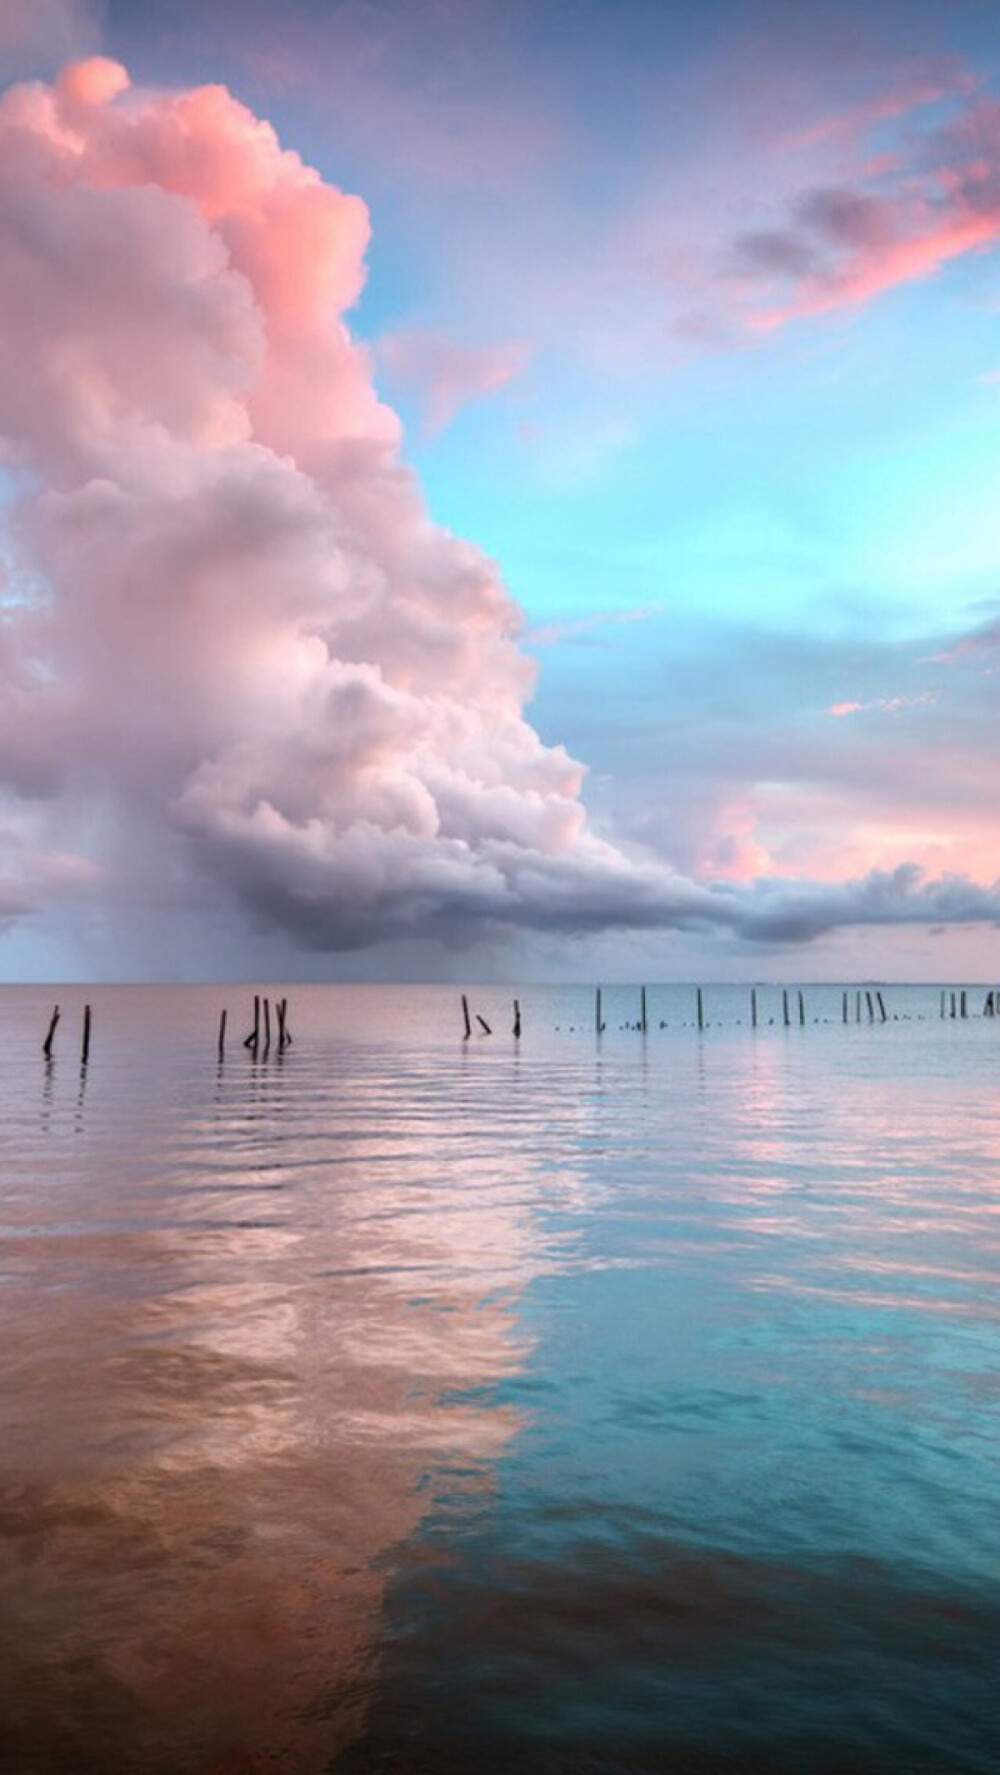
pixel 229 622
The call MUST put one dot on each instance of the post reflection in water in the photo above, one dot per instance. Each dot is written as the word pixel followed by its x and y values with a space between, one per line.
pixel 400 1403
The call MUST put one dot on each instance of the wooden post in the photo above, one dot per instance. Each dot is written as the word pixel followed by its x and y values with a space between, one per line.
pixel 965 1006
pixel 222 1034
pixel 642 1011
pixel 802 1010
pixel 598 1024
pixel 881 1006
pixel 85 1049
pixel 988 1003
pixel 871 1007
pixel 254 1037
pixel 953 1005
pixel 701 1011
pixel 753 1007
pixel 517 1020
pixel 942 1001
pixel 857 1007
pixel 47 1044
pixel 267 1024
pixel 465 1014
pixel 486 1028
pixel 784 1006
pixel 845 1007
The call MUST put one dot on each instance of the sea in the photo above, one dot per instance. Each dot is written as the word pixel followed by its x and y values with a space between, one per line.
pixel 576 1402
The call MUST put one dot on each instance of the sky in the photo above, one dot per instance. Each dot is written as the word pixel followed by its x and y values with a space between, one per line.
pixel 499 490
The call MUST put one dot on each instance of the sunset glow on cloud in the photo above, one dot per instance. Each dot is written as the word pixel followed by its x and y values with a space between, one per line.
pixel 246 651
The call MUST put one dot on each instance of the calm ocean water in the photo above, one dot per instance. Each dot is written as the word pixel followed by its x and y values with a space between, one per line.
pixel 408 1404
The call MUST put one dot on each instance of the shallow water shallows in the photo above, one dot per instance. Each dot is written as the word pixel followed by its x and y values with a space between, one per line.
pixel 405 1403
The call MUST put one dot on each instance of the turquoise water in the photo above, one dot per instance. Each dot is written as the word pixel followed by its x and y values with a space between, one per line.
pixel 572 1404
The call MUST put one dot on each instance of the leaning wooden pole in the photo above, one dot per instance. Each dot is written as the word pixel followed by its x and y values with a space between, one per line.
pixel 485 1026
pixel 47 1044
pixel 465 1014
pixel 222 1034
pixel 253 1038
pixel 881 1006
pixel 85 1048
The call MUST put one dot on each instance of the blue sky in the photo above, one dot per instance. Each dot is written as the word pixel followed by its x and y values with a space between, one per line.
pixel 691 322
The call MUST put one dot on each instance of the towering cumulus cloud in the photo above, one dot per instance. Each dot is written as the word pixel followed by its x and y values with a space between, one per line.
pixel 232 643
pixel 236 622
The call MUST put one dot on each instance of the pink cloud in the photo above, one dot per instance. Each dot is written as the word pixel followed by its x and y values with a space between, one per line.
pixel 924 84
pixel 573 628
pixel 448 375
pixel 844 244
pixel 253 645
pixel 888 705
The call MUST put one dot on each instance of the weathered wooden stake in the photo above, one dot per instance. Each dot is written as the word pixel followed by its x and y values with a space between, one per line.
pixel 845 1007
pixel 254 1037
pixel 942 1001
pixel 871 1007
pixel 802 1009
pixel 753 1007
pixel 988 1005
pixel 881 1006
pixel 222 1034
pixel 642 1011
pixel 486 1027
pixel 517 1019
pixel 953 1005
pixel 598 1023
pixel 857 1007
pixel 85 1049
pixel 47 1044
pixel 465 1014
pixel 965 1004
pixel 701 1011
pixel 784 1006
pixel 267 1024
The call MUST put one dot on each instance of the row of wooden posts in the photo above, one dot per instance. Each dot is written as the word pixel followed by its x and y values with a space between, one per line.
pixel 84 1040
pixel 874 1005
pixel 482 1020
pixel 258 1041
pixel 952 1004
